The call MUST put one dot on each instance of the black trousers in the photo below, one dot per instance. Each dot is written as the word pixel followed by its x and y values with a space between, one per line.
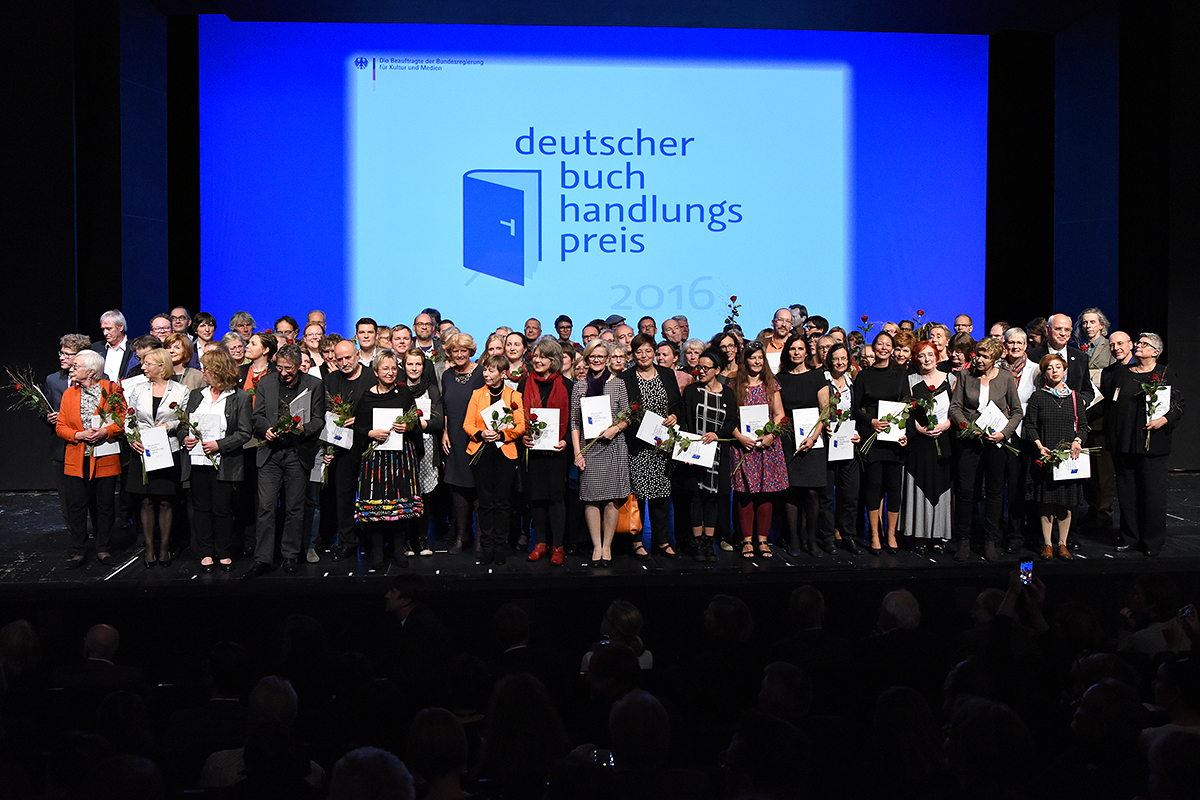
pixel 344 477
pixel 97 493
pixel 974 456
pixel 549 520
pixel 494 476
pixel 1016 475
pixel 841 492
pixel 1142 493
pixel 1101 488
pixel 282 471
pixel 212 513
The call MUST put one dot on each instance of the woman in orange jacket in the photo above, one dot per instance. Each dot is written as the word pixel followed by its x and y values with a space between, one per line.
pixel 493 450
pixel 91 419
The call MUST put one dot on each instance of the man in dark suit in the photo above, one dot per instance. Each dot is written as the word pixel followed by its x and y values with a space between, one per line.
pixel 1078 377
pixel 86 684
pixel 116 347
pixel 285 460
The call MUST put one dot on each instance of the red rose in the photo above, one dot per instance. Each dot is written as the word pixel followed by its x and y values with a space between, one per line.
pixel 783 421
pixel 864 317
pixel 634 407
pixel 532 417
pixel 421 413
pixel 1038 462
pixel 837 395
pixel 1154 376
pixel 733 299
pixel 18 387
pixel 962 426
pixel 920 313
pixel 173 405
pixel 1083 347
pixel 932 388
pixel 296 419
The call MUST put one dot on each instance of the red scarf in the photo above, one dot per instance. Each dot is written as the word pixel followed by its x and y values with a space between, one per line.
pixel 558 395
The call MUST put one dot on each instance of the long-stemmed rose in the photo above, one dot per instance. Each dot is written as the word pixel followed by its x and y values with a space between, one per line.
pixel 498 423
pixel 28 393
pixel 185 419
pixel 408 418
pixel 1151 389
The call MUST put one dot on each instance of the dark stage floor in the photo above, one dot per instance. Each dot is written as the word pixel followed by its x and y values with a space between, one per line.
pixel 34 550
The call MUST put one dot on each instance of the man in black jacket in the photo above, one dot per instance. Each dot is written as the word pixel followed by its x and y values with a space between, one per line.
pixel 1078 376
pixel 285 460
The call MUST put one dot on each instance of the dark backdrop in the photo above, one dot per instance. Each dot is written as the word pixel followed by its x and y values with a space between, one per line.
pixel 1092 166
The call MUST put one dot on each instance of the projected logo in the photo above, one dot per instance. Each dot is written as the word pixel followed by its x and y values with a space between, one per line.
pixel 502 222
pixel 361 62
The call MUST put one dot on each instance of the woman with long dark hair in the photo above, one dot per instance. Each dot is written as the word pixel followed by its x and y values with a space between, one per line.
pixel 652 388
pixel 420 377
pixel 801 387
pixel 759 469
pixel 883 461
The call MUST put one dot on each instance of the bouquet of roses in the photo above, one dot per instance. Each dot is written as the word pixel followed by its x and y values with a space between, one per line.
pixel 969 430
pixel 831 416
pixel 408 418
pixel 288 423
pixel 342 410
pixel 1150 389
pixel 1060 453
pixel 498 423
pixel 28 393
pixel 890 419
pixel 185 420
pixel 927 404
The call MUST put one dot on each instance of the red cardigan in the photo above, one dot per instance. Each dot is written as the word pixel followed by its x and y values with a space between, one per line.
pixel 70 422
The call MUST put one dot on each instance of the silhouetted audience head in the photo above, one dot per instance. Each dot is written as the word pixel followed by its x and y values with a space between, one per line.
pixel 272 698
pixel 807 607
pixel 786 692
pixel 523 734
pixel 974 677
pixel 1175 766
pixel 613 671
pixel 986 606
pixel 369 773
pixel 1177 687
pixel 764 759
pixel 437 745
pixel 906 735
pixel 1155 597
pixel 1090 670
pixel 622 623
pixel 899 611
pixel 410 585
pixel 987 746
pixel 510 626
pixel 640 730
pixel 1109 711
pixel 101 642
pixel 20 651
pixel 728 619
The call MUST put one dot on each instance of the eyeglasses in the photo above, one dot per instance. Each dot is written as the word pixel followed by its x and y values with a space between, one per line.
pixel 179 317
pixel 703 368
pixel 66 354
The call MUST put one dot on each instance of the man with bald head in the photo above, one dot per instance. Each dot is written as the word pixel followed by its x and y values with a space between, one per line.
pixel 1061 328
pixel 1121 346
pixel 349 380
pixel 781 329
pixel 624 334
pixel 98 675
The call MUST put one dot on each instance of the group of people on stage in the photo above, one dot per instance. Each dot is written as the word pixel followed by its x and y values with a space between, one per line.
pixel 399 427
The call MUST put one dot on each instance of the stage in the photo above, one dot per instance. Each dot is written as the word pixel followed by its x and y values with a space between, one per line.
pixel 165 613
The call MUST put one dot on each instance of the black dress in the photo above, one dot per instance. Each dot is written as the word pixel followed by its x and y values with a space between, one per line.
pixel 546 470
pixel 928 479
pixel 388 490
pixel 1053 421
pixel 805 470
pixel 456 396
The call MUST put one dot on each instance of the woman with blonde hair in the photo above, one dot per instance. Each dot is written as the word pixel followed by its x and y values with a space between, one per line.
pixel 179 347
pixel 459 382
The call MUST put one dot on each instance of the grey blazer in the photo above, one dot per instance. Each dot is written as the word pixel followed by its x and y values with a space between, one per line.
pixel 964 402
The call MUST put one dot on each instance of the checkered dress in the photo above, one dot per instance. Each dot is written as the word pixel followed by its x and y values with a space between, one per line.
pixel 606 472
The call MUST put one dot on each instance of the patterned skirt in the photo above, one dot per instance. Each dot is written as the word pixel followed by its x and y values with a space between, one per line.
pixel 387 487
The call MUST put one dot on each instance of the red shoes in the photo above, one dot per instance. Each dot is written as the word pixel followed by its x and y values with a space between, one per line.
pixel 556 557
pixel 537 552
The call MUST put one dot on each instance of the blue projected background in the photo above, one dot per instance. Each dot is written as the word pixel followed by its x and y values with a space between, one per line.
pixel 503 172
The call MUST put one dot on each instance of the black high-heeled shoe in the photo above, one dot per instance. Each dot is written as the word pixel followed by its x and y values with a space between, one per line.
pixel 874 550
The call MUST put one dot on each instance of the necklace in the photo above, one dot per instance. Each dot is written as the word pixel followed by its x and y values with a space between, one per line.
pixel 463 378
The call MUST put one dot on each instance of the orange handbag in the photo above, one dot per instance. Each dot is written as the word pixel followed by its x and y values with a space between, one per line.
pixel 629 517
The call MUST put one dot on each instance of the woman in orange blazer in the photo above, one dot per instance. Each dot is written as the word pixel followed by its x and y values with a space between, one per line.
pixel 88 476
pixel 494 468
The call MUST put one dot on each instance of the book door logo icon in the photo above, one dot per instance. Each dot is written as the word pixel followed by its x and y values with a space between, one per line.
pixel 502 222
